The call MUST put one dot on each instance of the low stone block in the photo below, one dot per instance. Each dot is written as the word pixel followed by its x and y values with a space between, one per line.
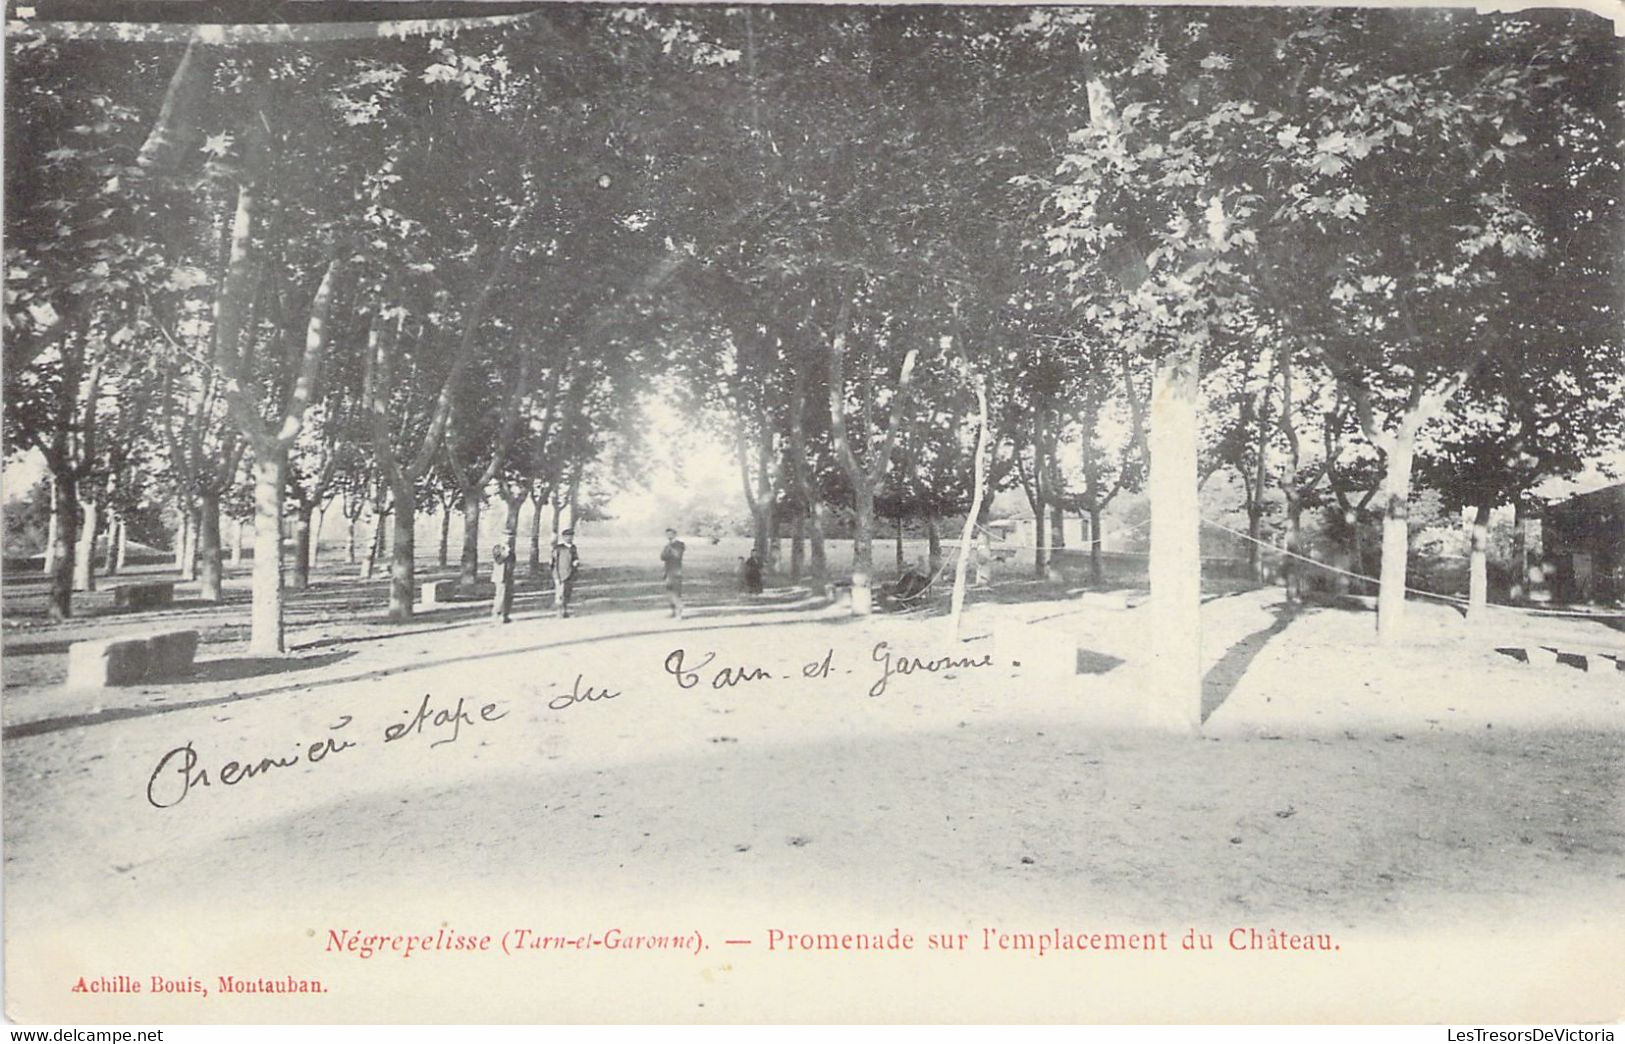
pixel 130 660
pixel 171 654
pixel 107 661
pixel 437 592
pixel 153 595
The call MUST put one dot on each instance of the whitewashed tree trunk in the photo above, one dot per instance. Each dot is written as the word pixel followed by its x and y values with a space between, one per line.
pixel 1173 629
pixel 52 528
pixel 121 553
pixel 1396 499
pixel 1521 586
pixel 316 537
pixel 817 561
pixel 863 551
pixel 968 533
pixel 265 611
pixel 115 527
pixel 84 552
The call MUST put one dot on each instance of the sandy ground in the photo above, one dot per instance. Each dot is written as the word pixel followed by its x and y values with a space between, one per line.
pixel 1448 817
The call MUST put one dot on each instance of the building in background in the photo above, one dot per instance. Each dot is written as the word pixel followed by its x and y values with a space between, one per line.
pixel 1584 542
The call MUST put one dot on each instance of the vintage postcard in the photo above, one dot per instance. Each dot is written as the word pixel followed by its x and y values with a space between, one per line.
pixel 579 513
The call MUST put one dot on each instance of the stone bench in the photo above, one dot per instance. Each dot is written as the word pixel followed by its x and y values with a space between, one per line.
pixel 131 660
pixel 153 595
pixel 437 592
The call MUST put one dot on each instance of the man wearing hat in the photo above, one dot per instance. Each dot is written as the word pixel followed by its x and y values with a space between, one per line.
pixel 566 564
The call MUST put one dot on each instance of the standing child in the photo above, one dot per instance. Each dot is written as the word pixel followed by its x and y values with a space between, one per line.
pixel 566 563
pixel 671 556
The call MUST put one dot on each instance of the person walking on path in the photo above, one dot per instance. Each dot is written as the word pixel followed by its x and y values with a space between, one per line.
pixel 672 557
pixel 566 564
pixel 502 563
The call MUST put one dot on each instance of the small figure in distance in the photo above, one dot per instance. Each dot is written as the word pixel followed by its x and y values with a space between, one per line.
pixel 671 557
pixel 753 574
pixel 566 564
pixel 502 561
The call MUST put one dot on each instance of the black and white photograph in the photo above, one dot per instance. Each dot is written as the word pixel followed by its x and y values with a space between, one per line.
pixel 575 513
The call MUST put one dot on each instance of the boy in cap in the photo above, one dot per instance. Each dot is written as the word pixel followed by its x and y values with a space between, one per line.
pixel 566 563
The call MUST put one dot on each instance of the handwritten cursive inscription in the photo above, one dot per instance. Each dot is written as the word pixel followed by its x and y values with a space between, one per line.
pixel 579 695
pixel 180 770
pixel 892 663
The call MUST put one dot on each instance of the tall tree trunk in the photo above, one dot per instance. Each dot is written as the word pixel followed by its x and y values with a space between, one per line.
pixel 122 552
pixel 375 548
pixel 402 578
pixel 1396 497
pixel 977 507
pixel 1057 529
pixel 349 545
pixel 1040 530
pixel 759 539
pixel 186 548
pixel 469 570
pixel 863 550
pixel 1520 551
pixel 299 577
pixel 265 613
pixel 1357 556
pixel 798 548
pixel 533 562
pixel 51 528
pixel 1097 556
pixel 211 568
pixel 984 545
pixel 445 535
pixel 316 538
pixel 1478 586
pixel 63 538
pixel 817 563
pixel 1255 547
pixel 900 559
pixel 1174 630
pixel 110 550
pixel 237 527
pixel 1291 571
pixel 933 546
pixel 84 552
